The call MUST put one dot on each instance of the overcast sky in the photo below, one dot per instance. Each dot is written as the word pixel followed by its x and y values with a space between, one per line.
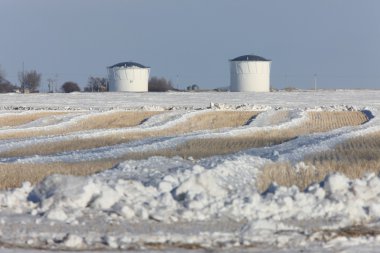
pixel 191 41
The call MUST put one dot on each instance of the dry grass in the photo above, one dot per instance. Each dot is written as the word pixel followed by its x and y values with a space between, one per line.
pixel 198 148
pixel 319 122
pixel 105 121
pixel 113 120
pixel 353 231
pixel 285 174
pixel 327 121
pixel 353 158
pixel 216 120
pixel 211 120
pixel 205 147
pixel 13 175
pixel 355 166
pixel 363 148
pixel 21 119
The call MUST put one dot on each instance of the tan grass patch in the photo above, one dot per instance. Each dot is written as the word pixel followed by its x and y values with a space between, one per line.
pixel 319 122
pixel 215 120
pixel 205 147
pixel 211 120
pixel 108 121
pixel 285 174
pixel 113 120
pixel 22 118
pixel 327 121
pixel 353 158
pixel 13 175
pixel 198 148
pixel 354 231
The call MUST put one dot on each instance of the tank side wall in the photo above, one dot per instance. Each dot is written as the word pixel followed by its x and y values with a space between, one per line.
pixel 250 76
pixel 129 79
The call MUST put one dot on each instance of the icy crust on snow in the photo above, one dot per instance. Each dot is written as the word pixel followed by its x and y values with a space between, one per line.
pixel 172 191
pixel 187 101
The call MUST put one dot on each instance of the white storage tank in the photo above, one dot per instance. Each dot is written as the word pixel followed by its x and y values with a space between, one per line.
pixel 250 73
pixel 128 76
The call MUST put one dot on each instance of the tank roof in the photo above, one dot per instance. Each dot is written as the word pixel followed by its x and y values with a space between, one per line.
pixel 128 64
pixel 249 57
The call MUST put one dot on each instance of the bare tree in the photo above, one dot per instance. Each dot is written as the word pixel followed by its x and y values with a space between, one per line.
pixel 159 84
pixel 29 80
pixel 5 85
pixel 68 87
pixel 2 75
pixel 96 84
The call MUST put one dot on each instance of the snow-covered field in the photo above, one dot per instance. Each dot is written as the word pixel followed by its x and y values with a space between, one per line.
pixel 186 205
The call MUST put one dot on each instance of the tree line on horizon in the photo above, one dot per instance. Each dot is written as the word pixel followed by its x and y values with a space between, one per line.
pixel 30 81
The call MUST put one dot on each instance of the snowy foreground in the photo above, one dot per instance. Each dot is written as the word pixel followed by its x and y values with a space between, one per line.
pixel 181 205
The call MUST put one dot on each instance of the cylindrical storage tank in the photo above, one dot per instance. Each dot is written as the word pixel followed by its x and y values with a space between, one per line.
pixel 128 76
pixel 250 73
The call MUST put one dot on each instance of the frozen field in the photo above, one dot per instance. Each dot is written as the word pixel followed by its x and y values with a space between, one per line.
pixel 190 172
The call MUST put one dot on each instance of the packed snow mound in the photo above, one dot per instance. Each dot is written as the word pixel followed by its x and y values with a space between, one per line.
pixel 179 190
pixel 271 118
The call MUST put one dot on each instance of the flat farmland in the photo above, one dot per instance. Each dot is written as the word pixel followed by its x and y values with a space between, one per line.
pixel 194 171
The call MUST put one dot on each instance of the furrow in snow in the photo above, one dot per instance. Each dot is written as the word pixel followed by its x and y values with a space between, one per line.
pixel 296 118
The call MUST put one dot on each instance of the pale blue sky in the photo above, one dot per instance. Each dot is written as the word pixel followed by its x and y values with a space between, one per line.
pixel 191 41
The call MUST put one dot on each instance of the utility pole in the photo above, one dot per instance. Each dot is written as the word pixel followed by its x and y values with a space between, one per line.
pixel 50 84
pixel 55 82
pixel 286 80
pixel 23 78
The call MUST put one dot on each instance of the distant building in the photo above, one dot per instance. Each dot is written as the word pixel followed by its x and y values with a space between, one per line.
pixel 128 76
pixel 250 73
pixel 193 87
